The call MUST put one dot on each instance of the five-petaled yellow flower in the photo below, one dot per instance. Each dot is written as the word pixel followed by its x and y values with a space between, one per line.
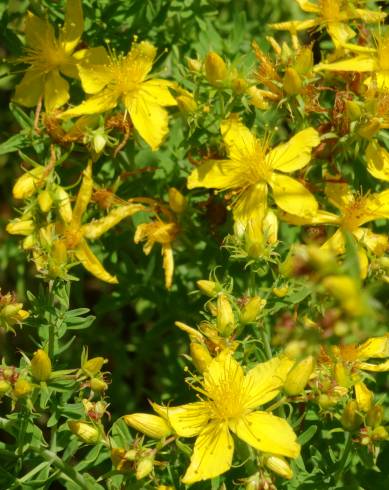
pixel 252 168
pixel 370 60
pixel 50 56
pixel 111 79
pixel 75 234
pixel 355 211
pixel 334 15
pixel 229 406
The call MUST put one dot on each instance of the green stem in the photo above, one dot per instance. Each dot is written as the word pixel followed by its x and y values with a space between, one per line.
pixel 345 455
pixel 51 326
pixel 266 342
pixel 65 469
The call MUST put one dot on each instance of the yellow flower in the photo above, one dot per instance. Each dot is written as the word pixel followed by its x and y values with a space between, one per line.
pixel 49 56
pixel 164 233
pixel 75 234
pixel 230 399
pixel 334 15
pixel 370 60
pixel 111 79
pixel 373 348
pixel 252 168
pixel 355 211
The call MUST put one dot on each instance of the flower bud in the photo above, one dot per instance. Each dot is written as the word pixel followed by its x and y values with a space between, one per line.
pixel 98 385
pixel 363 396
pixel 292 82
pixel 252 309
pixel 325 401
pixel 144 467
pixel 29 242
pixel 22 388
pixel 215 69
pixel 239 85
pixel 5 386
pixel 225 320
pixel 201 357
pixel 84 431
pixel 177 201
pixel 151 425
pixel 298 376
pixel 279 465
pixel 380 434
pixel 99 141
pixel 59 252
pixel 62 200
pixel 28 183
pixel 369 129
pixel 93 366
pixel 45 201
pixel 374 416
pixel 353 110
pixel 281 291
pixel 186 104
pixel 209 288
pixel 41 366
pixel 194 65
pixel 20 227
pixel 342 376
pixel 256 98
pixel 351 419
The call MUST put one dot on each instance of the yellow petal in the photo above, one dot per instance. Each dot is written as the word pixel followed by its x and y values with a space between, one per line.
pixel 168 264
pixel 149 119
pixel 29 90
pixel 291 196
pixel 187 420
pixel 294 154
pixel 103 101
pixel 98 227
pixel 92 264
pixel 370 16
pixel 321 217
pixel 340 32
pixel 84 194
pixel 295 25
pixel 335 243
pixel 360 63
pixel 240 142
pixel 74 24
pixel 94 70
pixel 382 79
pixel 374 368
pixel 39 32
pixel 212 454
pixel 56 91
pixel 339 194
pixel 378 161
pixel 266 432
pixel 223 371
pixel 363 396
pixel 157 92
pixel 264 381
pixel 377 347
pixel 216 174
pixel 252 205
pixel 378 244
pixel 308 6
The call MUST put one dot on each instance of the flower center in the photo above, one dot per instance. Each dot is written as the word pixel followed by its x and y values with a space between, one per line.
pixel 226 401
